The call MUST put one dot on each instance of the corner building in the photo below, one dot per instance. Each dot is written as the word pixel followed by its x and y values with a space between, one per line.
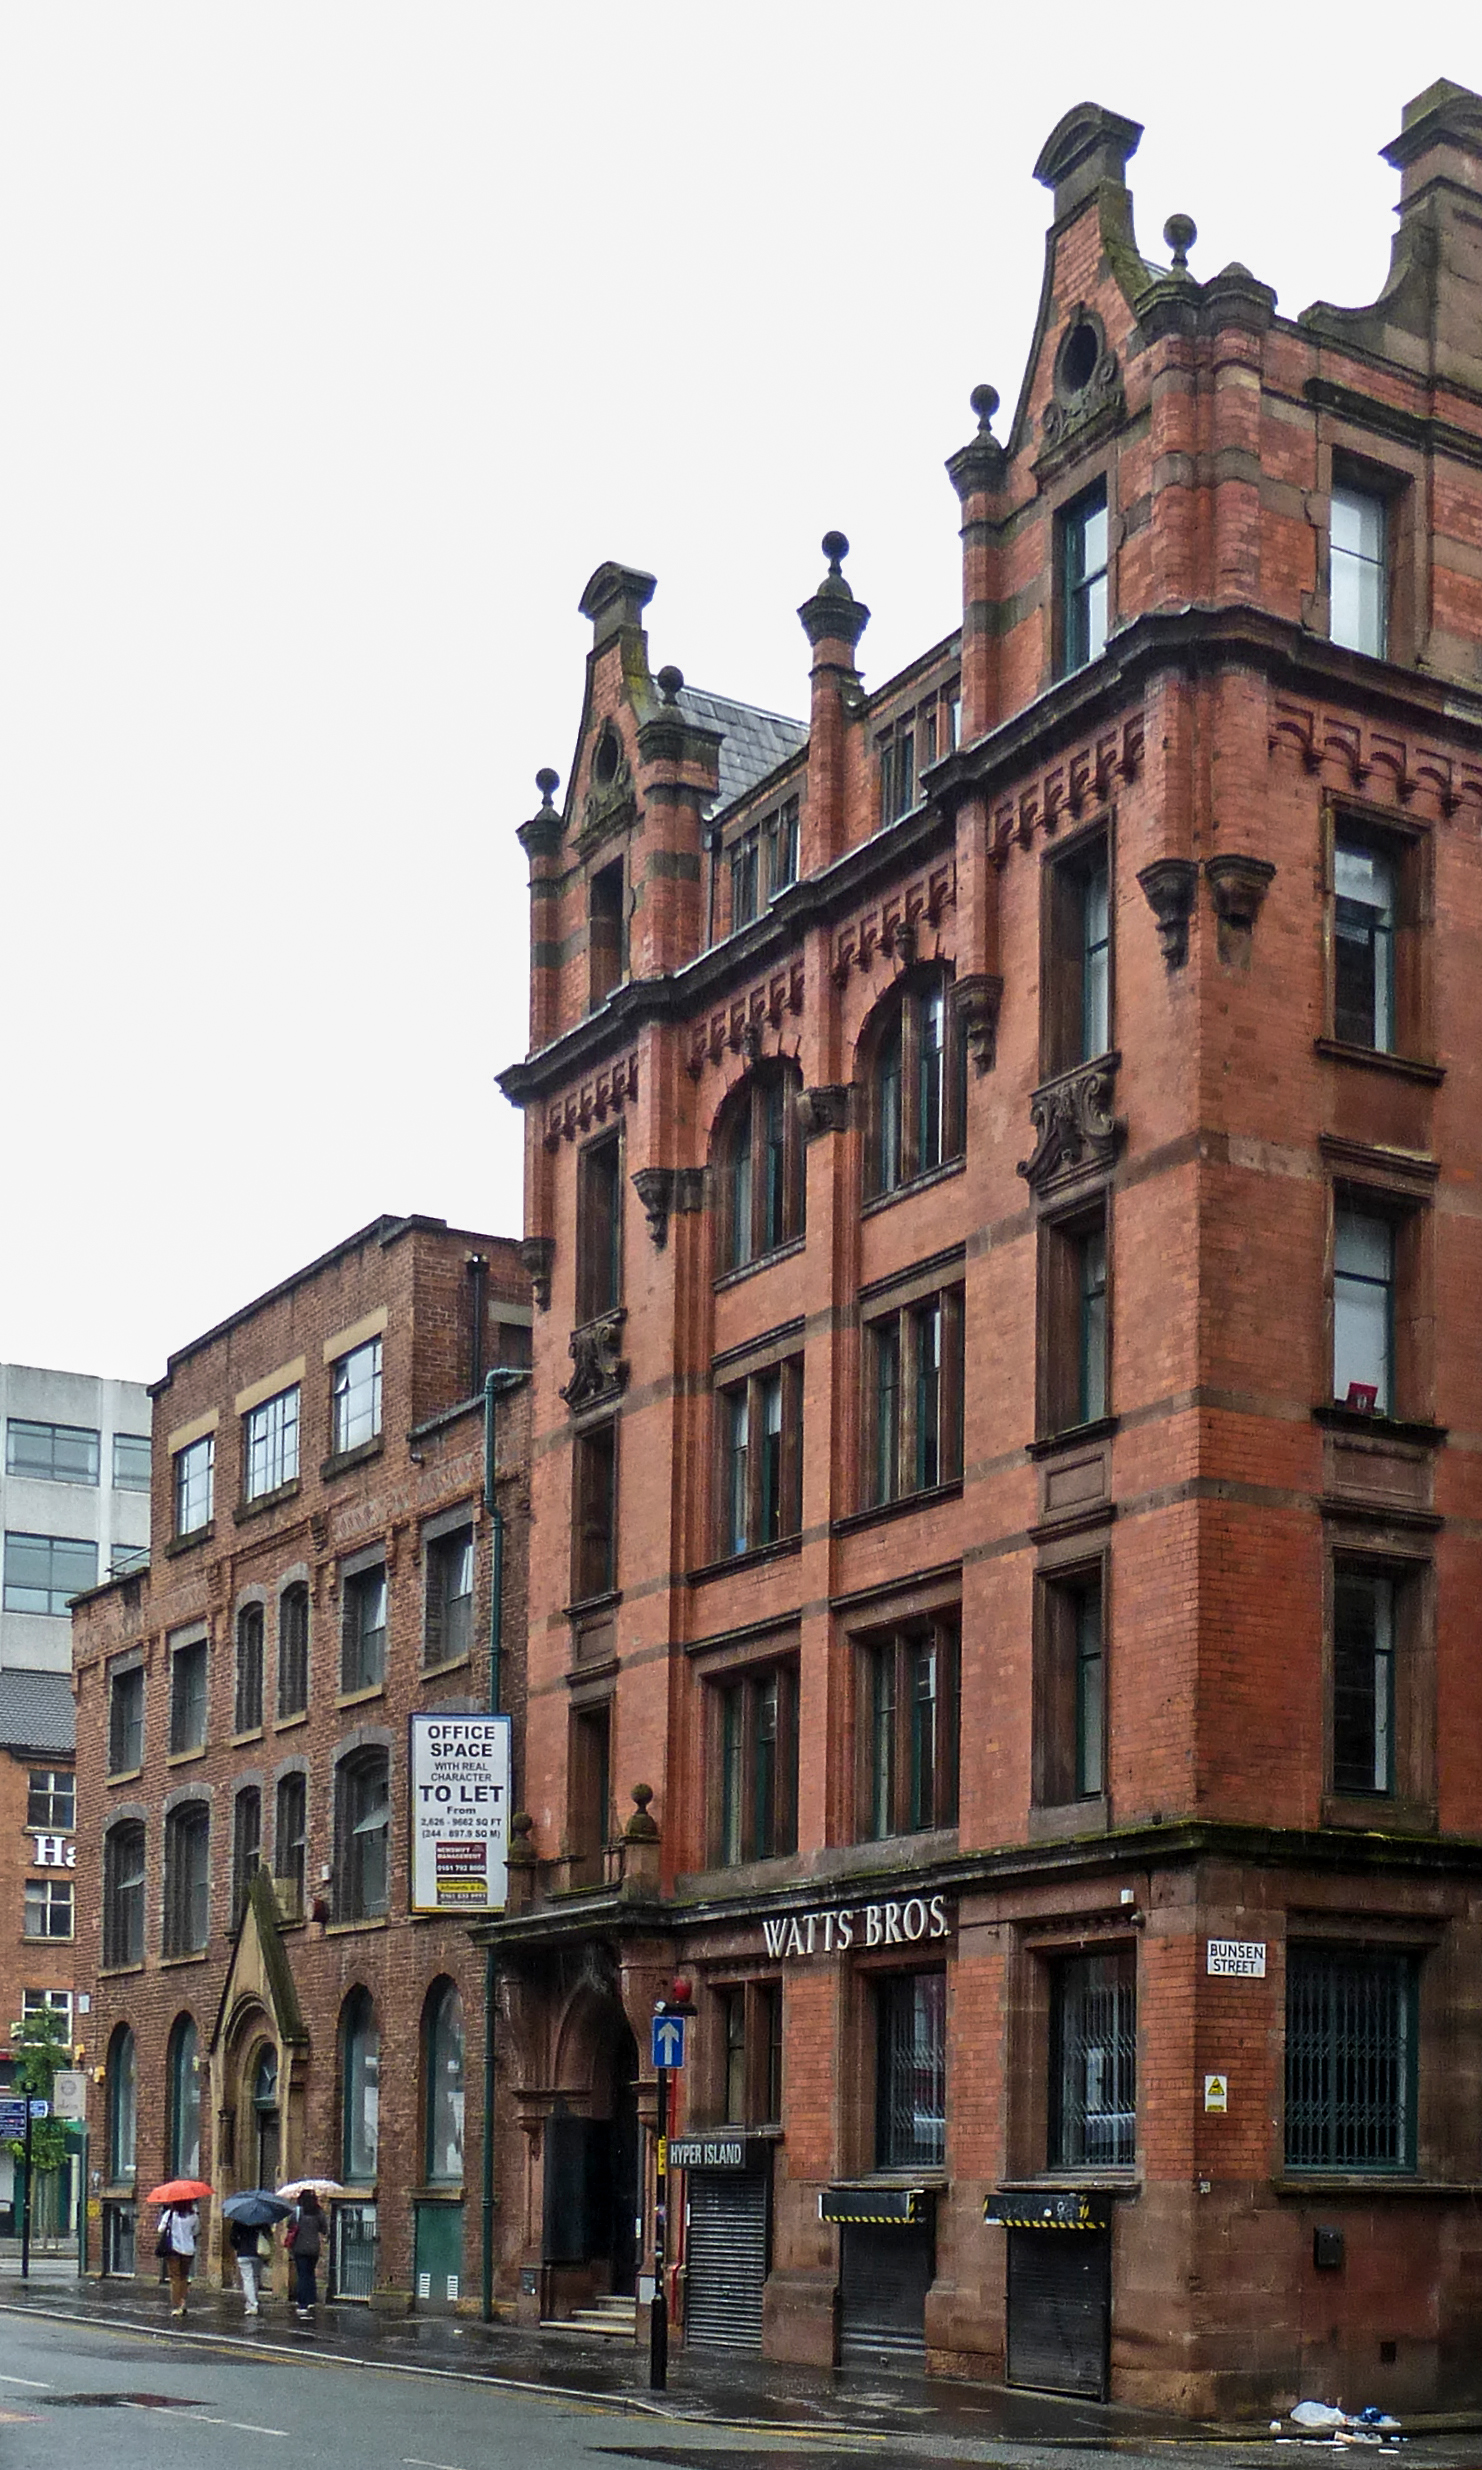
pixel 1001 1189
pixel 263 2003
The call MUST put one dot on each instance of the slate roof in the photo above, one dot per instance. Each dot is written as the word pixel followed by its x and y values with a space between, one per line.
pixel 37 1713
pixel 755 742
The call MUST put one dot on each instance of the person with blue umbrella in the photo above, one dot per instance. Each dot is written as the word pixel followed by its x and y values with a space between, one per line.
pixel 247 2216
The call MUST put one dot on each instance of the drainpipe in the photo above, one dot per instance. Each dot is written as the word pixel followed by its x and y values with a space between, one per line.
pixel 497 1384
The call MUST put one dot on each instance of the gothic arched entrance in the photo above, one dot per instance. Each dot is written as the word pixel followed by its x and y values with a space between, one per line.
pixel 591 2149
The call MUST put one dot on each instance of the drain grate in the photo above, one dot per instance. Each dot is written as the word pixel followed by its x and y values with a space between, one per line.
pixel 119 2401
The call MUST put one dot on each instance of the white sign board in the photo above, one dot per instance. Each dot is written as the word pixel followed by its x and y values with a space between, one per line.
pixel 69 2093
pixel 1241 1959
pixel 459 1768
pixel 1217 2094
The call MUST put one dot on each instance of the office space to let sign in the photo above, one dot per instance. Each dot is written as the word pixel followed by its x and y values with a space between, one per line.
pixel 459 1768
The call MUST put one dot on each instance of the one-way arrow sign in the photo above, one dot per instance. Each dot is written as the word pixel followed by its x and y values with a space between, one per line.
pixel 668 2041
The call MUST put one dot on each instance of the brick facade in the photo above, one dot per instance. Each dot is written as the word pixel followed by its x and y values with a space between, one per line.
pixel 1146 1547
pixel 268 2001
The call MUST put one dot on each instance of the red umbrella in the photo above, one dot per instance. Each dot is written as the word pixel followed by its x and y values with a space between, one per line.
pixel 178 2191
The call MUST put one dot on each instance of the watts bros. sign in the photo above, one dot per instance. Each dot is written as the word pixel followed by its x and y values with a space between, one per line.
pixel 460 1813
pixel 898 1924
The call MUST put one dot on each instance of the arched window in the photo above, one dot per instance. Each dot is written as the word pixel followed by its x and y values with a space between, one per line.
pixel 917 1088
pixel 760 1166
pixel 362 1831
pixel 246 1847
pixel 247 1712
pixel 360 2072
pixel 123 1893
pixel 442 2051
pixel 184 2068
pixel 293 1650
pixel 187 1878
pixel 265 2118
pixel 123 2105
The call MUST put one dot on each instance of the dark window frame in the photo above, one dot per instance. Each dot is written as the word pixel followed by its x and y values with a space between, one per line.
pixel 912 1421
pixel 589 1812
pixel 271 1443
pixel 251 1666
pixel 126 1710
pixel 293 1650
pixel 51 1799
pixel 190 1696
pixel 759 1457
pixel 55 1901
pixel 608 955
pixel 364 1643
pixel 907 1780
pixel 193 1485
pixel 1324 2125
pixel 760 1168
pixel 187 1879
pixel 1093 2113
pixel 291 1835
pixel 246 1847
pixel 362 1811
pixel 911 2042
pixel 59 1438
pixel 1083 615
pixel 1072 1696
pixel 599 1226
pixel 448 1614
pixel 357 1396
pixel 51 1554
pixel 130 1443
pixel 1078 951
pixel 1403 984
pixel 1074 1356
pixel 125 1862
pixel 595 1497
pixel 753 1723
pixel 915 1060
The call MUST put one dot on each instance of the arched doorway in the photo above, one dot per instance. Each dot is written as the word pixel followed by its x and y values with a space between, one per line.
pixel 261 2166
pixel 591 2148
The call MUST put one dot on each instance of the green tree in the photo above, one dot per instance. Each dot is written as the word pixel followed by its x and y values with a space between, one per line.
pixel 40 2046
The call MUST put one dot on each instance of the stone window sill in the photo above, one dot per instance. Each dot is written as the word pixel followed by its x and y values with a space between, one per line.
pixel 1336 1417
pixel 185 1758
pixel 759 1554
pixel 262 1502
pixel 366 1921
pixel 361 1698
pixel 789 1251
pixel 287 1723
pixel 919 1183
pixel 187 1543
pixel 239 1740
pixel 119 1972
pixel 341 1461
pixel 1374 1059
pixel 188 1955
pixel 438 1672
pixel 879 1511
pixel 1074 1436
pixel 124 1775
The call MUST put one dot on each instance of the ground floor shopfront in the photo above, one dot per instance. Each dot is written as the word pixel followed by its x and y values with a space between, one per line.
pixel 1195 2123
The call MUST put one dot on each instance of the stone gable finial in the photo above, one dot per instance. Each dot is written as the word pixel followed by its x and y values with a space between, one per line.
pixel 833 613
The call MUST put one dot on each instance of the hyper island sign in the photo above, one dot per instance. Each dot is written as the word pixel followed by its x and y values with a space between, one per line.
pixel 460 1813
pixel 902 1922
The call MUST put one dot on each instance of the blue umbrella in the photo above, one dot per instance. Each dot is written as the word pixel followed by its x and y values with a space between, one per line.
pixel 258 2207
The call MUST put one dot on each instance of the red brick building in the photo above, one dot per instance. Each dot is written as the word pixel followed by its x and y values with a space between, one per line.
pixel 1001 1186
pixel 263 2003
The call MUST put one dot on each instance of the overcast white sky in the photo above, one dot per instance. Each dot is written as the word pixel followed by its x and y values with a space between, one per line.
pixel 338 344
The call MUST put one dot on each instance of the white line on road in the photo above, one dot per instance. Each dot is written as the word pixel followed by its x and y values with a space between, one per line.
pixel 34 2382
pixel 412 2463
pixel 197 2418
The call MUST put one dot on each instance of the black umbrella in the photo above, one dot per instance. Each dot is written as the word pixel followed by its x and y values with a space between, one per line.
pixel 257 2206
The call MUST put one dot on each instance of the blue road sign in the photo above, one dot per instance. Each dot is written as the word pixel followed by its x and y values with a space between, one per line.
pixel 12 2118
pixel 40 2109
pixel 669 2040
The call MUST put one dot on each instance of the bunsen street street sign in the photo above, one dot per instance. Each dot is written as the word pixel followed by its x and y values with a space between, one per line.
pixel 459 1769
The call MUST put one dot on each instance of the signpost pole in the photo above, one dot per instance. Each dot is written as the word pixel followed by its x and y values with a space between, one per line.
pixel 658 2314
pixel 26 2203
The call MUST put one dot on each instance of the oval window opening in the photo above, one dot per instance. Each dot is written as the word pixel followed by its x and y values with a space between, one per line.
pixel 1079 358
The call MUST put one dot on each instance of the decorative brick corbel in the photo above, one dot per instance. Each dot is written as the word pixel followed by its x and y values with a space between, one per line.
pixel 1169 887
pixel 824 1109
pixel 538 1259
pixel 977 1000
pixel 654 1186
pixel 1237 886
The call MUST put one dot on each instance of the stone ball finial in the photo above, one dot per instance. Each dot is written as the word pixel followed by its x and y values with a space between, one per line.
pixel 641 1828
pixel 835 549
pixel 670 680
pixel 547 782
pixel 984 400
pixel 1180 231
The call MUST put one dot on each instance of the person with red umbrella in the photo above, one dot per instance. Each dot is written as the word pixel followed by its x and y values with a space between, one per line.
pixel 176 2241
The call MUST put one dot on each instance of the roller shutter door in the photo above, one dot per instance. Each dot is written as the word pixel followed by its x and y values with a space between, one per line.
pixel 1059 2310
pixel 884 2275
pixel 726 2259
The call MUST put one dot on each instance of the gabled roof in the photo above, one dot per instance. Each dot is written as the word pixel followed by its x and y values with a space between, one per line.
pixel 37 1713
pixel 753 744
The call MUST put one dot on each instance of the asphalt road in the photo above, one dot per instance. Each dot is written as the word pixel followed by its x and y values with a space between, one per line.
pixel 92 2397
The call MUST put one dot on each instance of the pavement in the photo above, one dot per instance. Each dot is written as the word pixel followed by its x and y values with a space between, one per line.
pixel 705 2386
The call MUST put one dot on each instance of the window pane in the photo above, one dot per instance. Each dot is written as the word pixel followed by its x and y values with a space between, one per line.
pixel 185 2102
pixel 357 1396
pixel 921 1666
pixel 911 2081
pixel 1095 961
pixel 742 1237
pixel 1363 947
pixel 1350 2060
pixel 445 2088
pixel 1363 1290
pixel 293 1650
pixel 55 1453
pixel 1357 579
pixel 887 1410
pixel 194 1482
pixel 888 1108
pixel 926 1340
pixel 738 1460
pixel 1363 1683
pixel 882 1739
pixel 131 1461
pixel 270 1439
pixel 1094 2078
pixel 931 1069
pixel 1092 1401
pixel 44 1572
pixel 1090 1694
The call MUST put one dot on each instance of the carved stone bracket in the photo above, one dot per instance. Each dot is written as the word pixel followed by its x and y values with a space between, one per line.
pixel 1077 1131
pixel 1237 886
pixel 599 1370
pixel 538 1259
pixel 667 1191
pixel 1170 886
pixel 824 1109
pixel 976 1000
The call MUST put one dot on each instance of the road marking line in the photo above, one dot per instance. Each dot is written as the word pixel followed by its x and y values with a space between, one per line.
pixel 34 2382
pixel 413 2463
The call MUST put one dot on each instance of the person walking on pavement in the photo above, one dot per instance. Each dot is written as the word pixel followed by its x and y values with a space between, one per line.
pixel 246 2240
pixel 178 2235
pixel 305 2241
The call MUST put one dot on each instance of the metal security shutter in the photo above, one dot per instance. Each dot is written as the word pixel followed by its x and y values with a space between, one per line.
pixel 1059 2310
pixel 884 2275
pixel 726 2259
